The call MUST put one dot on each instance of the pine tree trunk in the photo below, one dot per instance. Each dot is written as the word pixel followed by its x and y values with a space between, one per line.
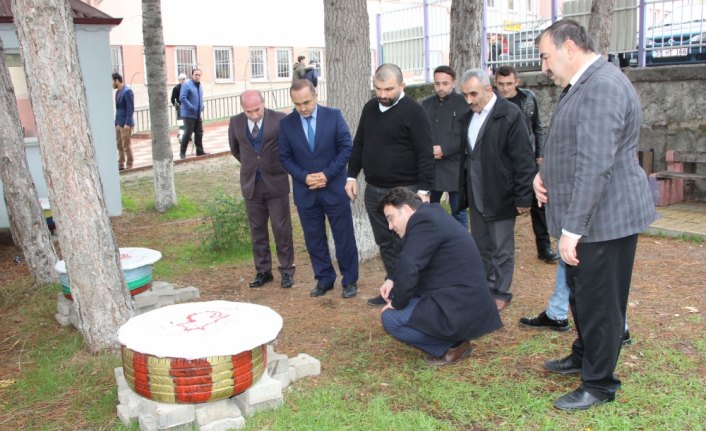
pixel 600 24
pixel 45 31
pixel 348 88
pixel 28 226
pixel 162 159
pixel 466 34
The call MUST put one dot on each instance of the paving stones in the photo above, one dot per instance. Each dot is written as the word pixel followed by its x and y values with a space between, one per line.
pixel 222 415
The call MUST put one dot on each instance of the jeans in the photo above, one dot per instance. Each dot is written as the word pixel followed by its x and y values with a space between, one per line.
pixel 460 215
pixel 395 323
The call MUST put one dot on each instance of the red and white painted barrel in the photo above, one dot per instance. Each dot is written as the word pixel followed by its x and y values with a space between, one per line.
pixel 197 352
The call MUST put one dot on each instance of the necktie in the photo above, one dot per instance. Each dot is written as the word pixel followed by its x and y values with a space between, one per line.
pixel 255 130
pixel 564 92
pixel 310 134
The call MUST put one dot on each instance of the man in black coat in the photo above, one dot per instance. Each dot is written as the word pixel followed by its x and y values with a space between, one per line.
pixel 437 299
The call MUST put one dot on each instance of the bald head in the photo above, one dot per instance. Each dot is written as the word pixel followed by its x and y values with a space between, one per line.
pixel 253 105
pixel 387 71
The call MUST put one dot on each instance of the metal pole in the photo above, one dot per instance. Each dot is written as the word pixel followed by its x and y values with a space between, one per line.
pixel 555 10
pixel 484 37
pixel 427 72
pixel 641 54
pixel 378 34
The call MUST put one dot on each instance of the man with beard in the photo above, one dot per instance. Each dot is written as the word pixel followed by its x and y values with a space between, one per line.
pixel 393 147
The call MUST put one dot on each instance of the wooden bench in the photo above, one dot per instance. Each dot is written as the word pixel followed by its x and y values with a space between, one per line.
pixel 671 182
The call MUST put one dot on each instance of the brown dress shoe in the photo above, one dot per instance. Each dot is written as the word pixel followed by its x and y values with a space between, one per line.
pixel 451 356
pixel 501 304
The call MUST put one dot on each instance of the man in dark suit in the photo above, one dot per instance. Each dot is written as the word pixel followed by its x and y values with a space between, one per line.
pixel 124 110
pixel 437 298
pixel 315 146
pixel 252 136
pixel 597 199
pixel 496 178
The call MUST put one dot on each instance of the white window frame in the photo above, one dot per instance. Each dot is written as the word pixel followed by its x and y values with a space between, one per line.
pixel 220 64
pixel 318 54
pixel 182 67
pixel 116 60
pixel 286 67
pixel 263 64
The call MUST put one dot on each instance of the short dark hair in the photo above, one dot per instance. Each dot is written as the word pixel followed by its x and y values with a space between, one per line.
pixel 447 70
pixel 388 69
pixel 302 83
pixel 398 197
pixel 195 69
pixel 300 58
pixel 506 70
pixel 567 29
pixel 117 77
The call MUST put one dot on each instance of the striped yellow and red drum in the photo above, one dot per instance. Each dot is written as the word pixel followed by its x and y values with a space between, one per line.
pixel 197 352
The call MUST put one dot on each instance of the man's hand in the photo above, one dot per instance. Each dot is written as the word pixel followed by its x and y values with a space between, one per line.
pixel 351 189
pixel 522 210
pixel 540 191
pixel 438 154
pixel 539 161
pixel 385 290
pixel 316 180
pixel 567 249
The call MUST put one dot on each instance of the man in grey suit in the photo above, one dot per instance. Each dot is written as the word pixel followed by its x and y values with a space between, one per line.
pixel 253 138
pixel 597 201
pixel 495 177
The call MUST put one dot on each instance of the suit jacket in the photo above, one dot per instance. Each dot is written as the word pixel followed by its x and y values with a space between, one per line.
pixel 124 107
pixel 504 154
pixel 441 264
pixel 273 174
pixel 332 149
pixel 595 185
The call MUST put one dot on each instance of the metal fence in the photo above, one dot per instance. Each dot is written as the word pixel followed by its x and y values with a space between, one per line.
pixel 645 32
pixel 222 107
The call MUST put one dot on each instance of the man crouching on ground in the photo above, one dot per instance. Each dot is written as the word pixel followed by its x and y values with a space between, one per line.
pixel 437 298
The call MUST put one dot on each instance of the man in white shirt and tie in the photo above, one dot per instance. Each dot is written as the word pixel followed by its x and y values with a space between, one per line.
pixel 496 178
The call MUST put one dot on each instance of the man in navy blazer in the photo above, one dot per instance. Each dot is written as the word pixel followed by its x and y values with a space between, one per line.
pixel 437 298
pixel 124 110
pixel 315 145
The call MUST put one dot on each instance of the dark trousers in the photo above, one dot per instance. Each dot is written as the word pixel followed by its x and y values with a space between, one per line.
pixel 598 297
pixel 261 208
pixel 388 241
pixel 195 126
pixel 460 215
pixel 496 243
pixel 395 324
pixel 539 226
pixel 340 219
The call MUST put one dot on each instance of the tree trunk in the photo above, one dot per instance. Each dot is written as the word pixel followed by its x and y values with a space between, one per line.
pixel 600 24
pixel 466 34
pixel 162 161
pixel 28 226
pixel 348 88
pixel 45 31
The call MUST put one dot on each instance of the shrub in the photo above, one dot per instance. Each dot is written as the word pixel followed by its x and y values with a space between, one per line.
pixel 226 224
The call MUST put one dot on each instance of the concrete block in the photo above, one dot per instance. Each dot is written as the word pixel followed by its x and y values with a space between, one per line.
pixel 147 423
pixel 283 378
pixel 161 286
pixel 224 424
pixel 293 374
pixel 62 319
pixel 118 373
pixel 169 416
pixel 63 305
pixel 126 396
pixel 222 409
pixel 306 365
pixel 277 363
pixel 124 414
pixel 73 319
pixel 166 300
pixel 145 299
pixel 265 389
pixel 139 311
pixel 188 293
pixel 250 409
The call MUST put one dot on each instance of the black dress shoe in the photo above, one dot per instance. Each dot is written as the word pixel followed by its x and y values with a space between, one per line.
pixel 548 255
pixel 453 355
pixel 626 338
pixel 580 399
pixel 567 365
pixel 378 301
pixel 320 290
pixel 261 278
pixel 287 281
pixel 543 321
pixel 350 290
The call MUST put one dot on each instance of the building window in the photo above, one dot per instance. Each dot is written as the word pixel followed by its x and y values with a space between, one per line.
pixel 185 60
pixel 116 60
pixel 316 55
pixel 223 62
pixel 258 60
pixel 490 3
pixel 284 63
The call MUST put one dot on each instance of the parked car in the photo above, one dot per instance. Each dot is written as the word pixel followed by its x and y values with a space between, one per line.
pixel 521 51
pixel 679 38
